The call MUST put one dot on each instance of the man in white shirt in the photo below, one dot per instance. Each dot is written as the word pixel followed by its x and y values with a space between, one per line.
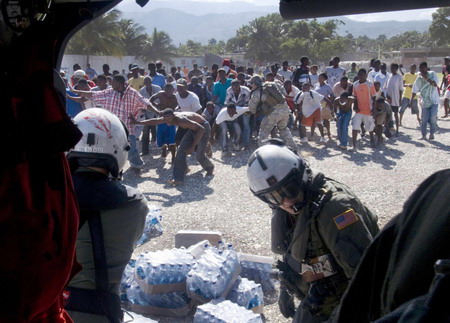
pixel 309 106
pixel 239 95
pixel 335 73
pixel 187 102
pixel 393 88
pixel 374 71
pixel 285 72
pixel 382 76
pixel 426 84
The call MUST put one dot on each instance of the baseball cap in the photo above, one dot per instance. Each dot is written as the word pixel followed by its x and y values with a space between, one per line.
pixel 447 58
pixel 134 67
pixel 79 74
pixel 181 82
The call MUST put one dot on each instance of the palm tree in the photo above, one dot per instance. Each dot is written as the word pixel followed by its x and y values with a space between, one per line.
pixel 102 36
pixel 134 37
pixel 159 47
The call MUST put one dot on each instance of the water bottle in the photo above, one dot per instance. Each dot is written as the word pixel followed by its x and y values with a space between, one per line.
pixel 224 311
pixel 152 227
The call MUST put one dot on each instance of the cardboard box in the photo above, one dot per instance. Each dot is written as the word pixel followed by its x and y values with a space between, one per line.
pixel 160 289
pixel 162 311
pixel 187 238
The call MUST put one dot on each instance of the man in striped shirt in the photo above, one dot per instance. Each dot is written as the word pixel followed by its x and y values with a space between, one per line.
pixel 122 100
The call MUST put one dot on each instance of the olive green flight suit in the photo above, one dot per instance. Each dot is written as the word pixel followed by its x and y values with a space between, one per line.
pixel 338 231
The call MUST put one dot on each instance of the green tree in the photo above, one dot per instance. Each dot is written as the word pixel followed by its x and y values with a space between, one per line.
pixel 159 47
pixel 191 48
pixel 440 27
pixel 102 36
pixel 134 37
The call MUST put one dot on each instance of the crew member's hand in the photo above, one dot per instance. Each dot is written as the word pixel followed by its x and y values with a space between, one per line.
pixel 286 303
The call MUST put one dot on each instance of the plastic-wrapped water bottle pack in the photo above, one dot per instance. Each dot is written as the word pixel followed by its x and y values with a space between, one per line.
pixel 137 296
pixel 260 273
pixel 127 280
pixel 246 293
pixel 153 227
pixel 214 272
pixel 221 311
pixel 164 266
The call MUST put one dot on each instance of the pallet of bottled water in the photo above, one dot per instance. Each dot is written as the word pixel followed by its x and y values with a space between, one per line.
pixel 157 283
pixel 153 227
pixel 258 269
pixel 224 311
pixel 163 271
pixel 248 294
pixel 214 274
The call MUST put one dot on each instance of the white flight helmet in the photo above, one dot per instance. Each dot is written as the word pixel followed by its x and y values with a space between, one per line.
pixel 274 172
pixel 104 143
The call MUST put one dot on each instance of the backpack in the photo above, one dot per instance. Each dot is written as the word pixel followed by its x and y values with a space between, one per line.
pixel 273 95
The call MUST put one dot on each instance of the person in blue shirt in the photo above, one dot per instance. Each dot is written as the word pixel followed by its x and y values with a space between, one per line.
pixel 72 107
pixel 220 88
pixel 157 78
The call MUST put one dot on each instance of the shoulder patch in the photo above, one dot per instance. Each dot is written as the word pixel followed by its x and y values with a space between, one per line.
pixel 345 219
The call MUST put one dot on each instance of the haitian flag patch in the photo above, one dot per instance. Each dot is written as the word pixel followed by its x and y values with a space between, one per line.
pixel 345 219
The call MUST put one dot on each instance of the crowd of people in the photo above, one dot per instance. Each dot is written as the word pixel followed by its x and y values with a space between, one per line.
pixel 234 104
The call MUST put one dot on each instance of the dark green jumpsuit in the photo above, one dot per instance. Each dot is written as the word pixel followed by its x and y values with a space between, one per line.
pixel 325 242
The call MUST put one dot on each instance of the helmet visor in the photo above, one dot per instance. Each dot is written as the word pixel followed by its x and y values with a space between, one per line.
pixel 289 189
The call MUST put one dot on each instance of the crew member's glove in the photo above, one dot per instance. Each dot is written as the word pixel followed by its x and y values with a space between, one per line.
pixel 286 303
pixel 288 278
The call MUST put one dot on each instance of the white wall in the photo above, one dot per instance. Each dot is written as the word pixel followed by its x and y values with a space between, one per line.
pixel 115 63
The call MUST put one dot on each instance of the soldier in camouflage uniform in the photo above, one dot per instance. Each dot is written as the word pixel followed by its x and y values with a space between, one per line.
pixel 267 99
pixel 319 226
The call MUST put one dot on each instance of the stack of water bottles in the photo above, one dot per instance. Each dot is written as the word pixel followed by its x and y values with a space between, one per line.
pixel 158 283
pixel 214 274
pixel 127 281
pixel 164 267
pixel 224 311
pixel 258 269
pixel 153 227
pixel 248 294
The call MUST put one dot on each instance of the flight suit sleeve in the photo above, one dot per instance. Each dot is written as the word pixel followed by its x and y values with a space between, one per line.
pixel 254 101
pixel 342 227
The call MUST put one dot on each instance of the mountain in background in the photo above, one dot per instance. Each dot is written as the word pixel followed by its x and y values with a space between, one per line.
pixel 197 7
pixel 201 21
pixel 375 29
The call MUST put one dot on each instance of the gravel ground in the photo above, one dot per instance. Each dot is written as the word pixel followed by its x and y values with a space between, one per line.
pixel 382 178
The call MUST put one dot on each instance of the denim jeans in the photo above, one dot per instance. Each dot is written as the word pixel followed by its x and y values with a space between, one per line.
pixel 146 130
pixel 246 129
pixel 429 115
pixel 343 120
pixel 133 155
pixel 234 125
